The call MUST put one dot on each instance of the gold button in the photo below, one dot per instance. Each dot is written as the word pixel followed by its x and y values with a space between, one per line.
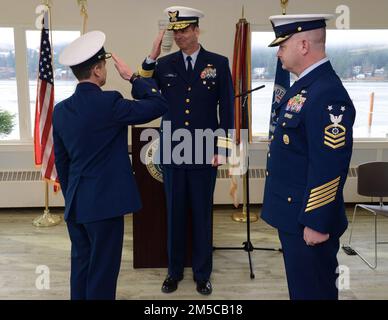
pixel 213 82
pixel 154 90
pixel 289 199
pixel 269 155
pixel 284 124
pixel 187 123
pixel 189 89
pixel 208 88
pixel 168 85
pixel 187 100
pixel 267 173
pixel 299 28
pixel 204 82
pixel 187 111
pixel 286 139
pixel 272 137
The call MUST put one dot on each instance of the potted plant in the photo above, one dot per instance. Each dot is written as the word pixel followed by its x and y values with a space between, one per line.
pixel 6 122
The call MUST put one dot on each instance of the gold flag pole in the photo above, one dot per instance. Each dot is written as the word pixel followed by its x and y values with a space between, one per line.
pixel 84 13
pixel 242 216
pixel 47 219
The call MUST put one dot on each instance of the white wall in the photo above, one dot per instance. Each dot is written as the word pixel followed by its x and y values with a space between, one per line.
pixel 131 26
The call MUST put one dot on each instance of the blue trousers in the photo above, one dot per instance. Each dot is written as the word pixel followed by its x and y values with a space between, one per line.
pixel 311 270
pixel 184 189
pixel 95 258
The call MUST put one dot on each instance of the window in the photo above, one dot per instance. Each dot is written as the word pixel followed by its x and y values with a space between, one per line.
pixel 360 58
pixel 15 110
pixel 9 121
pixel 64 80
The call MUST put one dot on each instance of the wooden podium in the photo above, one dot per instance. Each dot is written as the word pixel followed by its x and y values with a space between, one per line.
pixel 150 223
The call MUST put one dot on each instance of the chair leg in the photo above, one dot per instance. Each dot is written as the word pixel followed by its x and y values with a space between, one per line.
pixel 370 265
pixel 351 229
pixel 348 248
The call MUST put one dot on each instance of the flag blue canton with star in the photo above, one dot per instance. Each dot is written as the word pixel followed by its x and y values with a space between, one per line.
pixel 45 66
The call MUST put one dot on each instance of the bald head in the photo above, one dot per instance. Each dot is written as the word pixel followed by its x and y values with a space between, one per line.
pixel 316 39
pixel 302 50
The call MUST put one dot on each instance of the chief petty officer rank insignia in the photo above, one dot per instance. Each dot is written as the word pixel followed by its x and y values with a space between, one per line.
pixel 335 132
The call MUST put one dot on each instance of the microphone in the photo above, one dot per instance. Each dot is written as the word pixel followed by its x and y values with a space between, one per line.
pixel 249 91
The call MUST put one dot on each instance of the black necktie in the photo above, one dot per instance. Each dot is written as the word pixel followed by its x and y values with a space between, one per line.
pixel 189 66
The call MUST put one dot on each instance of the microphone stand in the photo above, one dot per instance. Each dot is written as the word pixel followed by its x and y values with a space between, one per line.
pixel 247 245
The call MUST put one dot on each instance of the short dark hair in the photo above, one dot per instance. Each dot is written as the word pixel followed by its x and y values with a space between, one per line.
pixel 194 25
pixel 84 72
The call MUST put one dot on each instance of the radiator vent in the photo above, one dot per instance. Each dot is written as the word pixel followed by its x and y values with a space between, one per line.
pixel 254 173
pixel 10 176
pixel 259 173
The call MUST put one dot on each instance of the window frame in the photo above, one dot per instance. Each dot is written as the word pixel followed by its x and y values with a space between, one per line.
pixel 259 139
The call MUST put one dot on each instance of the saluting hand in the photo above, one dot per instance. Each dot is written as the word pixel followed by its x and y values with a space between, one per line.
pixel 156 46
pixel 312 237
pixel 122 68
pixel 218 160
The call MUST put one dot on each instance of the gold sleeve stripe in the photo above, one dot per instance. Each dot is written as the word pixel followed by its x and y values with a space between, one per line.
pixel 313 203
pixel 224 139
pixel 146 73
pixel 326 185
pixel 320 205
pixel 334 146
pixel 318 193
pixel 311 199
pixel 335 141
pixel 224 144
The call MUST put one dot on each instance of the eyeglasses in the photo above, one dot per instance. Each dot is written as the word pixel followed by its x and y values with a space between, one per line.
pixel 105 56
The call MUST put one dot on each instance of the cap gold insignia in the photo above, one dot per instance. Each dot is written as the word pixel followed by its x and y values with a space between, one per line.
pixel 173 16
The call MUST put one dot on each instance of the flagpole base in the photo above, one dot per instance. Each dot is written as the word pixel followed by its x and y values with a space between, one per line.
pixel 46 220
pixel 242 217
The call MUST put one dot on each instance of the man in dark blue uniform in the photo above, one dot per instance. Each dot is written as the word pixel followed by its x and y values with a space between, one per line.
pixel 198 87
pixel 308 159
pixel 90 131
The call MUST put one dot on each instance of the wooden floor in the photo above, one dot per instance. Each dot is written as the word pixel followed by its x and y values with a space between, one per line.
pixel 23 247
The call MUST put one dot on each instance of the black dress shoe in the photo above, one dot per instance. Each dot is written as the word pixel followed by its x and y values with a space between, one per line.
pixel 204 287
pixel 170 284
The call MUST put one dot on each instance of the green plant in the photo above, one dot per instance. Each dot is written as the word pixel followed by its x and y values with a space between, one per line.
pixel 6 122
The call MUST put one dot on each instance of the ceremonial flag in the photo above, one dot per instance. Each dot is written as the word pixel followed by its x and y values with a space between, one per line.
pixel 241 74
pixel 43 130
pixel 281 85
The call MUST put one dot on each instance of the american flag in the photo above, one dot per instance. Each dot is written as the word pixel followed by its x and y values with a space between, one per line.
pixel 43 132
